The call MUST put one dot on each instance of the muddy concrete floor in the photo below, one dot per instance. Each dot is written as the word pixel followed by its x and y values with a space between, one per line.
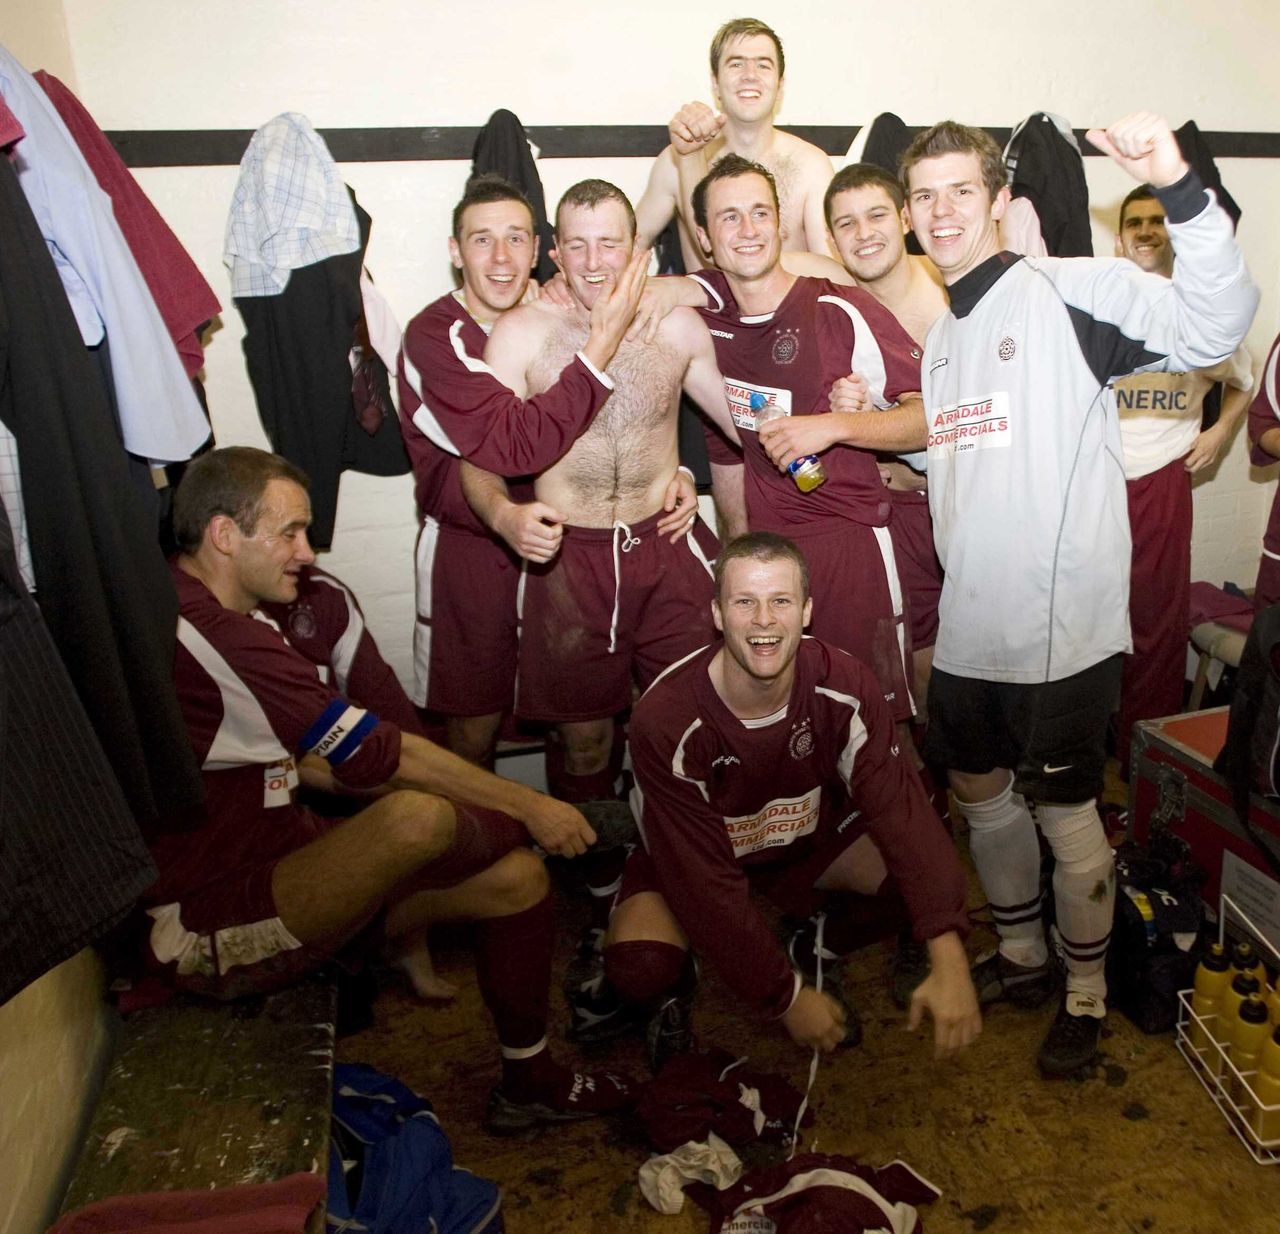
pixel 1133 1145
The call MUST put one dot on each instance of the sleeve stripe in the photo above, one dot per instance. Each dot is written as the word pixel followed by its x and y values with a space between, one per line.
pixel 337 734
pixel 866 357
pixel 424 418
pixel 603 378
pixel 717 301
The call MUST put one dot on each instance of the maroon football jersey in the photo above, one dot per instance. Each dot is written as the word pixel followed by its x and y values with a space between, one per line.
pixel 252 706
pixel 453 406
pixel 720 798
pixel 788 360
pixel 326 625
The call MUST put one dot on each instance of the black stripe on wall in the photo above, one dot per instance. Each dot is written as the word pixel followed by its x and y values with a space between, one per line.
pixel 225 147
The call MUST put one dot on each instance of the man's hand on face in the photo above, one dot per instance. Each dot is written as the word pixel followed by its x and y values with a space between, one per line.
pixel 694 126
pixel 533 529
pixel 615 307
pixel 815 1020
pixel 1144 145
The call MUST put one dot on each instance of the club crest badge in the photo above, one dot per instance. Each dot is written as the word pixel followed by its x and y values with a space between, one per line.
pixel 802 741
pixel 786 346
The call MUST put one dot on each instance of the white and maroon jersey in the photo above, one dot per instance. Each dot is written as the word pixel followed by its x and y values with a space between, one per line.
pixel 789 359
pixel 1264 413
pixel 253 705
pixel 1160 412
pixel 719 798
pixel 326 625
pixel 453 406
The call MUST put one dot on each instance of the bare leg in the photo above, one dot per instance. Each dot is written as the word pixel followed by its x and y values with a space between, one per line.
pixel 474 737
pixel 860 868
pixel 587 745
pixel 922 670
pixel 645 917
pixel 511 885
pixel 326 891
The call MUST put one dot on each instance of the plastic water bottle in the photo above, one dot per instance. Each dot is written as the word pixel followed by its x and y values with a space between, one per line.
pixel 1213 975
pixel 806 471
pixel 1266 1087
pixel 1248 1035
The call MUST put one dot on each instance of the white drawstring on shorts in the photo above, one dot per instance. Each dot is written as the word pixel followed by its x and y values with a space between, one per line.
pixel 628 543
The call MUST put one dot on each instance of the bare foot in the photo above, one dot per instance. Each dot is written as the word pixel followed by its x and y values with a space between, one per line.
pixel 422 976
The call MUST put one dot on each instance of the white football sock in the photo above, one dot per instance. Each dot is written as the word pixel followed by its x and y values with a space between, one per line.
pixel 1002 841
pixel 1084 890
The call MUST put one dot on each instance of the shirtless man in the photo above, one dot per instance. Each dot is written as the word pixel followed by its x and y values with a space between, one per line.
pixel 864 212
pixel 747 67
pixel 604 596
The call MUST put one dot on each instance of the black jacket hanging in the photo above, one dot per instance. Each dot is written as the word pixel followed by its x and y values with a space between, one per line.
pixel 1196 151
pixel 503 149
pixel 297 348
pixel 102 583
pixel 1048 170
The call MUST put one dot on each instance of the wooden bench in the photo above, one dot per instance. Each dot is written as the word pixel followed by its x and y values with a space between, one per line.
pixel 204 1095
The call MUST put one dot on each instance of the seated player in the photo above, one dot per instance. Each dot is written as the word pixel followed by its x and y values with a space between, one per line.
pixel 261 890
pixel 769 763
pixel 325 623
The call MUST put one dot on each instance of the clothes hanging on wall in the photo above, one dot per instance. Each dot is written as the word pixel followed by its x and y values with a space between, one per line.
pixel 503 149
pixel 103 586
pixel 73 858
pixel 297 348
pixel 882 143
pixel 185 300
pixel 161 417
pixel 290 208
pixel 1044 166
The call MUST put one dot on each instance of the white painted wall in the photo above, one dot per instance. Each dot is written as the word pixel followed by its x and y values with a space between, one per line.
pixel 166 64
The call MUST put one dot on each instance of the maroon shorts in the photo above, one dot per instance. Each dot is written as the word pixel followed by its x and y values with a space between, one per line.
pixel 858 601
pixel 1159 599
pixel 464 639
pixel 791 885
pixel 224 939
pixel 615 604
pixel 918 565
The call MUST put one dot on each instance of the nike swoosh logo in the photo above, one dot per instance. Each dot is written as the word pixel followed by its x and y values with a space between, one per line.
pixel 1054 770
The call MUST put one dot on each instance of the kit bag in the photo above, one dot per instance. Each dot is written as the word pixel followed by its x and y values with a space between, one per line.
pixel 391 1168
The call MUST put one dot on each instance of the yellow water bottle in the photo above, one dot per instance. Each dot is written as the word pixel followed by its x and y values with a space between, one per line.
pixel 1266 1087
pixel 1233 997
pixel 1213 976
pixel 1273 1006
pixel 1249 1034
pixel 1245 960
